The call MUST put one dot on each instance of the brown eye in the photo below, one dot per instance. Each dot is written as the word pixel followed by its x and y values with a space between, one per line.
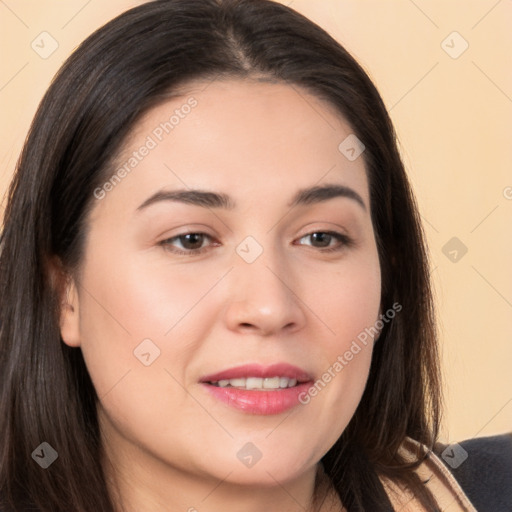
pixel 191 240
pixel 321 239
pixel 327 240
pixel 188 243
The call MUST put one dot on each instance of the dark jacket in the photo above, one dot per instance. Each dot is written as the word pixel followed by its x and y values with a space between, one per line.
pixel 486 474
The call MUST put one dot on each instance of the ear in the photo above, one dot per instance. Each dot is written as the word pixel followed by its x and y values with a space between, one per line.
pixel 69 314
pixel 65 285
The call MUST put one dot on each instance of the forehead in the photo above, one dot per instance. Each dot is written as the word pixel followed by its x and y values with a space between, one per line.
pixel 247 137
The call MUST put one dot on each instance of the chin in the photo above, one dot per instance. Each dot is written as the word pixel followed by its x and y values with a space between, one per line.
pixel 264 471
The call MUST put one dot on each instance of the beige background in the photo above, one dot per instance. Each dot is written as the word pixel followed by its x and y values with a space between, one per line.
pixel 454 121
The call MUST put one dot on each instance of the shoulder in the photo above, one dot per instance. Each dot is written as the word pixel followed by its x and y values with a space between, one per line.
pixel 483 468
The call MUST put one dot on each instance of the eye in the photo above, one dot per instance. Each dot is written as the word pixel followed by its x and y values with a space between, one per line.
pixel 327 240
pixel 187 243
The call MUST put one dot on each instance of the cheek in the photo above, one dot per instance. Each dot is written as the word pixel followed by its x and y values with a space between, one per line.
pixel 126 302
pixel 120 307
pixel 134 346
pixel 347 300
pixel 136 300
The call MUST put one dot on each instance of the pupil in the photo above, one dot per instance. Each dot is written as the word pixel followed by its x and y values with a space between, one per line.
pixel 192 241
pixel 323 239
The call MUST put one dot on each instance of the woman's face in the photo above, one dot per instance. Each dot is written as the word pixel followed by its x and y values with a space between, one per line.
pixel 230 267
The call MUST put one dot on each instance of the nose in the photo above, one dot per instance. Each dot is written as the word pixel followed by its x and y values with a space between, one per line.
pixel 264 298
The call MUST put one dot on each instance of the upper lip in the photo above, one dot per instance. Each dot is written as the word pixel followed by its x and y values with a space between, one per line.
pixel 257 370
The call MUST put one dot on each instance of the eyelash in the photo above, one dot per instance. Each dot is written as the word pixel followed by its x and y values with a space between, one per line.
pixel 344 241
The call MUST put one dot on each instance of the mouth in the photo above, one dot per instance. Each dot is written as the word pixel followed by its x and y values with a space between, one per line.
pixel 256 389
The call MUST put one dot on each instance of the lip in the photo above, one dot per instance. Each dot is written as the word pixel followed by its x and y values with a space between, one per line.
pixel 259 402
pixel 256 370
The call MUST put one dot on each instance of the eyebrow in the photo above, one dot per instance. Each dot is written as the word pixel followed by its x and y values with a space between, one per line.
pixel 322 193
pixel 194 197
pixel 206 199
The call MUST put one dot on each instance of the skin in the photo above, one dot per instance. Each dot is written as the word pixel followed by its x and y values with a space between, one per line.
pixel 169 444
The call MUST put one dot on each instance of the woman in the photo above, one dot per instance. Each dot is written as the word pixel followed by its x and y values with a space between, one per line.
pixel 216 289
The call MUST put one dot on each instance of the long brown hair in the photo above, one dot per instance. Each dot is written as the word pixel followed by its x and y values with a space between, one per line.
pixel 123 69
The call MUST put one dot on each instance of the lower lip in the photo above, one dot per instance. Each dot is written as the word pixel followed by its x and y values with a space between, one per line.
pixel 260 402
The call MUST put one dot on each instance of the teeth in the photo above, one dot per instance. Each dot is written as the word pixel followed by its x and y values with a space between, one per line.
pixel 272 383
pixel 253 383
pixel 258 383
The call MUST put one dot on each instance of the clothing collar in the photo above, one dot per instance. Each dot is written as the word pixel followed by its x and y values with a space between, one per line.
pixel 435 476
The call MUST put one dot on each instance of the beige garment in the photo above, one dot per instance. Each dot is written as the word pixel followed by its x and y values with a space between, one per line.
pixel 440 482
